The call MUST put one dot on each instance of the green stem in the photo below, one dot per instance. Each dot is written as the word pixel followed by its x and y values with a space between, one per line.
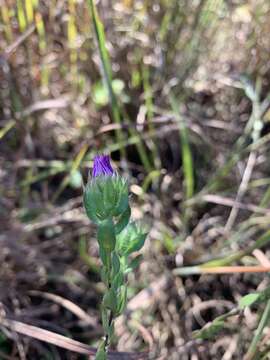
pixel 106 69
pixel 258 333
pixel 109 272
pixel 108 313
pixel 107 336
pixel 259 243
pixel 227 260
pixel 117 111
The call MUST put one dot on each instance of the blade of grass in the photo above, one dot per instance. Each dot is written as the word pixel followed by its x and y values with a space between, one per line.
pixel 106 67
pixel 153 175
pixel 5 17
pixel 241 146
pixel 186 154
pixel 253 348
pixel 10 124
pixel 83 252
pixel 43 175
pixel 42 44
pixel 74 167
pixel 35 3
pixel 254 126
pixel 72 36
pixel 107 78
pixel 21 16
pixel 148 95
pixel 63 341
pixel 29 11
pixel 192 270
pixel 229 259
pixel 205 23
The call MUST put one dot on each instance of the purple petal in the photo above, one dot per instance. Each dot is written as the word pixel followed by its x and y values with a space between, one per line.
pixel 102 166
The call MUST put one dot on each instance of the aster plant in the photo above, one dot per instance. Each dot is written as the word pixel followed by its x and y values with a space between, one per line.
pixel 106 202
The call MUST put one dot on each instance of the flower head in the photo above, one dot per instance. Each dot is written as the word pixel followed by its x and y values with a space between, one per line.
pixel 106 192
pixel 102 166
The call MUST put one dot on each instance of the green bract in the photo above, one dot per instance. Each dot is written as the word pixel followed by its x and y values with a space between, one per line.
pixel 131 239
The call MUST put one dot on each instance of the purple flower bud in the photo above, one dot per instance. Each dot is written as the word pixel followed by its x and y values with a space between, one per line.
pixel 102 166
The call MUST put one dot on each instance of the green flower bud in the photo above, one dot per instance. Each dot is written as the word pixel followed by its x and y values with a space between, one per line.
pixel 106 194
pixel 105 197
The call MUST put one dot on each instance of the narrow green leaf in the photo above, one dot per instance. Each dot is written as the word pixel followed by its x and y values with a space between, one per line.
pixel 103 272
pixel 110 300
pixel 264 321
pixel 210 330
pixel 122 300
pixel 115 264
pixel 117 112
pixel 248 300
pixel 118 281
pixel 131 239
pixel 137 243
pixel 134 264
pixel 106 67
pixel 185 150
pixel 123 220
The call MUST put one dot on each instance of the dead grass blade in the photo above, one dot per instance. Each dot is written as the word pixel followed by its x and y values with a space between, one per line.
pixel 69 305
pixel 12 47
pixel 64 342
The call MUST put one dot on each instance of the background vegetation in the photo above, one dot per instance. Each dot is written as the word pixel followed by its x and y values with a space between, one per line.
pixel 179 95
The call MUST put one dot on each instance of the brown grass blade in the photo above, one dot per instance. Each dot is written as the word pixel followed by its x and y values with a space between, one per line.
pixel 64 342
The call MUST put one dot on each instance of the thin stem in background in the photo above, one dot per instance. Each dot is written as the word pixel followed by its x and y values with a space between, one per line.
pixel 107 77
pixel 187 161
pixel 252 351
pixel 106 68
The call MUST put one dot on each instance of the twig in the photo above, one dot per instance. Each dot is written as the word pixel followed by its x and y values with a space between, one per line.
pixel 216 199
pixel 11 48
pixel 242 189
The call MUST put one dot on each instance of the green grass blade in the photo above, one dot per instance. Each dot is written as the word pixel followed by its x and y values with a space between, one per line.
pixel 74 167
pixel 72 42
pixel 258 333
pixel 106 66
pixel 10 124
pixel 107 78
pixel 21 16
pixel 185 151
pixel 6 21
pixel 148 94
pixel 29 11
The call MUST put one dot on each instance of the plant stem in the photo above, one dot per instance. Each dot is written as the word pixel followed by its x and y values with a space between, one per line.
pixel 221 265
pixel 108 332
pixel 258 333
pixel 106 70
pixel 107 336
